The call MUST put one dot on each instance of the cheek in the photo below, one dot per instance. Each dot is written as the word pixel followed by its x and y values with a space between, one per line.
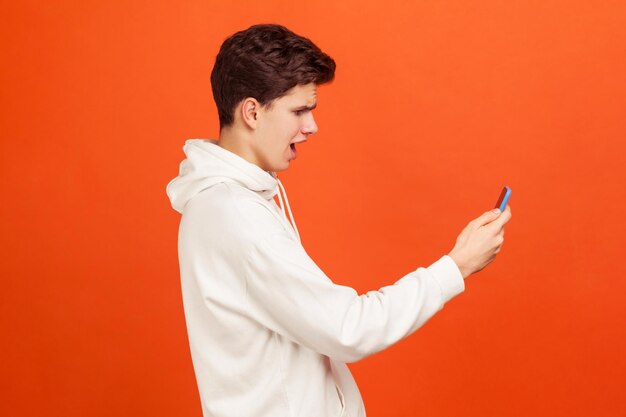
pixel 289 129
pixel 296 126
pixel 280 131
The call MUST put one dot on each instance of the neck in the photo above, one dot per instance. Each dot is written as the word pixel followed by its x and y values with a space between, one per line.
pixel 237 143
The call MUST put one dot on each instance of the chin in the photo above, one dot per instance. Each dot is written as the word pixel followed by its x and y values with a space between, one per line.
pixel 275 167
pixel 282 168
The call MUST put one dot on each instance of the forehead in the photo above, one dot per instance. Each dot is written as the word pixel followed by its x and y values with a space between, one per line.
pixel 301 95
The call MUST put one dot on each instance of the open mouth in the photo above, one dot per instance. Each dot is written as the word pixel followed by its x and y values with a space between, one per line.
pixel 294 152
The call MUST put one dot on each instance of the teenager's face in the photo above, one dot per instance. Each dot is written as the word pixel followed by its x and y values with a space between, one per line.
pixel 289 121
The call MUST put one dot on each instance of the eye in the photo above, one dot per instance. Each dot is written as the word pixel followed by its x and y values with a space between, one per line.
pixel 299 112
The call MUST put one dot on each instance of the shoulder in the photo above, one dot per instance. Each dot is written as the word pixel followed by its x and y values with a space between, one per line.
pixel 229 210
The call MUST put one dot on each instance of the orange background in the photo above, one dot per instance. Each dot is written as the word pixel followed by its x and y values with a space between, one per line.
pixel 435 106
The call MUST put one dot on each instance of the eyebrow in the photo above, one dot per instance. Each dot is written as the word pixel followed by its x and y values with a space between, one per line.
pixel 306 107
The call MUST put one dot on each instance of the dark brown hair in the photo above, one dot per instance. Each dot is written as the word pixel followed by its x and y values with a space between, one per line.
pixel 264 62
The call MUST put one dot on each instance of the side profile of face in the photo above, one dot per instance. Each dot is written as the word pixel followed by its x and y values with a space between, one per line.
pixel 279 128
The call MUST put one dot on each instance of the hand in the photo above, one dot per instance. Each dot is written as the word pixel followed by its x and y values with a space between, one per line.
pixel 480 241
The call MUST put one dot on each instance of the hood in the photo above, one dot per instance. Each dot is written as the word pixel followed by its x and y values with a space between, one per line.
pixel 208 164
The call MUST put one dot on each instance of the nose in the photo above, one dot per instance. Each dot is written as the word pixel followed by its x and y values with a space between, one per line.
pixel 309 127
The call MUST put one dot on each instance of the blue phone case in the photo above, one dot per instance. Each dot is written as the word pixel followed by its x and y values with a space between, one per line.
pixel 504 198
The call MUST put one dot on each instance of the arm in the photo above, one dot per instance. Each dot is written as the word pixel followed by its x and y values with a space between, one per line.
pixel 287 293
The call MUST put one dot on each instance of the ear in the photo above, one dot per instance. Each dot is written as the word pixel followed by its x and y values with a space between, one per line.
pixel 248 110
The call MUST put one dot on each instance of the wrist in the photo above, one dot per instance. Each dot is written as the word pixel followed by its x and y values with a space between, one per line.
pixel 465 271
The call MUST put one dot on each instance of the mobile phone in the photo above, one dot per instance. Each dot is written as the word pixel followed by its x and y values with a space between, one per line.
pixel 504 198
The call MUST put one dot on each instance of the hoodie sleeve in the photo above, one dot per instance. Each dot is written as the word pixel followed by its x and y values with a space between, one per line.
pixel 289 294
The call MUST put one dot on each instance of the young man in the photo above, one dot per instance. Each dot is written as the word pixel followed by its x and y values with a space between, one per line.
pixel 269 332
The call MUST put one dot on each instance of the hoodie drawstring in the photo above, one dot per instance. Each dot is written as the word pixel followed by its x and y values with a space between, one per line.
pixel 280 200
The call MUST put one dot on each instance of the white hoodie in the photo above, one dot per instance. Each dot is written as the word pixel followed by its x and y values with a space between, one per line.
pixel 269 332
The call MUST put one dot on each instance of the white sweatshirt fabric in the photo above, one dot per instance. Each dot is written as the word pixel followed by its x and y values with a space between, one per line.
pixel 270 334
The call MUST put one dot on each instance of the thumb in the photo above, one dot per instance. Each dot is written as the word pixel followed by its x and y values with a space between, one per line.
pixel 488 217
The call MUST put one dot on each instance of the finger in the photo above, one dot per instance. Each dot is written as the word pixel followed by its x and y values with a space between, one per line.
pixel 485 218
pixel 505 217
pixel 496 228
pixel 499 247
pixel 507 212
